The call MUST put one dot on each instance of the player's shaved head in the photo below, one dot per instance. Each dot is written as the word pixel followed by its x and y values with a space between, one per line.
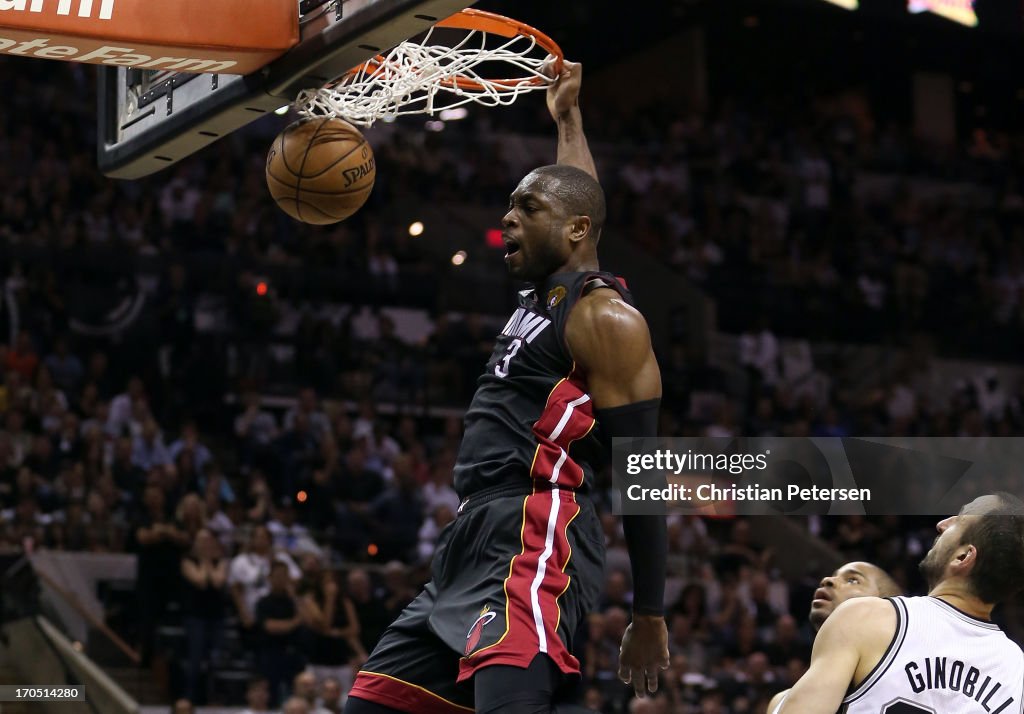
pixel 887 587
pixel 578 192
pixel 849 581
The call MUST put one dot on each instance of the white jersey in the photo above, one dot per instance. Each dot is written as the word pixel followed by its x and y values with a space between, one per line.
pixel 942 661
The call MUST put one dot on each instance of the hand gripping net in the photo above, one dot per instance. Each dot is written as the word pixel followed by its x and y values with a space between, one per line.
pixel 435 73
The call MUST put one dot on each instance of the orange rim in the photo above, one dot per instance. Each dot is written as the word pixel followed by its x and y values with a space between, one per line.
pixel 483 21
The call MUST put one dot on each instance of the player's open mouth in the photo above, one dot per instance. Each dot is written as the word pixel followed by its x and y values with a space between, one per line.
pixel 511 245
pixel 821 594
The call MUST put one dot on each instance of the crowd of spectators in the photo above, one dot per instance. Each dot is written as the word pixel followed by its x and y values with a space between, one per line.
pixel 101 471
pixel 297 533
pixel 794 216
pixel 760 203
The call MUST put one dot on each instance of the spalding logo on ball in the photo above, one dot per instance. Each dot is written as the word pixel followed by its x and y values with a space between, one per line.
pixel 320 170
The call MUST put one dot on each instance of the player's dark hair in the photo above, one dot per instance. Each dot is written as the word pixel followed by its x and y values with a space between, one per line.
pixel 578 192
pixel 998 536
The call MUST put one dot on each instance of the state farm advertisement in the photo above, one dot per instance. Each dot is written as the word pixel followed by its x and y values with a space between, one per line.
pixel 228 36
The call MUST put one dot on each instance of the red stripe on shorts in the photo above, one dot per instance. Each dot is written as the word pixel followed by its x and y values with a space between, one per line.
pixel 536 580
pixel 398 694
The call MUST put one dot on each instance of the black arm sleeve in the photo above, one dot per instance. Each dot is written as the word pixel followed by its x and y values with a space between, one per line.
pixel 646 535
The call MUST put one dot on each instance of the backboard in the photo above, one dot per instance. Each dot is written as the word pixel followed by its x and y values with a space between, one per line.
pixel 150 119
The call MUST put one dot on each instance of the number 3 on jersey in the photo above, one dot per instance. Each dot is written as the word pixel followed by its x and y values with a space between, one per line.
pixel 501 369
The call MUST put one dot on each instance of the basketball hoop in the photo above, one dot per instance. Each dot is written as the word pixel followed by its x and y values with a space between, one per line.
pixel 441 71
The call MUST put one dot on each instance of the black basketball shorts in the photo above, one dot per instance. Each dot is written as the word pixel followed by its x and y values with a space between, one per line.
pixel 512 577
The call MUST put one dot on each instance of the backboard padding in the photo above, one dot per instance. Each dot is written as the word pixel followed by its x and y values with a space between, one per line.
pixel 141 132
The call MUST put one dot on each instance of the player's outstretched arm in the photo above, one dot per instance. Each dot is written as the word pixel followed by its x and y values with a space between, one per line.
pixel 611 343
pixel 852 639
pixel 564 105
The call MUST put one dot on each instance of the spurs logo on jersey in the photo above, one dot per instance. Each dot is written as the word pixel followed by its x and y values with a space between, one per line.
pixel 942 660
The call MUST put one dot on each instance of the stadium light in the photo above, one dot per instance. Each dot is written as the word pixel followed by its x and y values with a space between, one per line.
pixel 959 11
pixel 845 4
pixel 416 228
pixel 459 258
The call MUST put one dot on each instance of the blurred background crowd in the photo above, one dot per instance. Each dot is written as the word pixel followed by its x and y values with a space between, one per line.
pixel 267 415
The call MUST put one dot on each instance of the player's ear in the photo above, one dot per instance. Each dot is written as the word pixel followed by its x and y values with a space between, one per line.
pixel 964 559
pixel 580 228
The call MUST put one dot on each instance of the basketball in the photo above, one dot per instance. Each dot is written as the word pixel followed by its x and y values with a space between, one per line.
pixel 320 170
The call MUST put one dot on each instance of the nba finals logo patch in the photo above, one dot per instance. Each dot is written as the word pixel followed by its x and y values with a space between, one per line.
pixel 555 296
pixel 473 636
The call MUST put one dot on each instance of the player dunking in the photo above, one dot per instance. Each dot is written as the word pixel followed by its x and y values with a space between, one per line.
pixel 934 654
pixel 851 580
pixel 522 564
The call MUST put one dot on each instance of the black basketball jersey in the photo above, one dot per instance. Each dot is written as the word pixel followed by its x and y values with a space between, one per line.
pixel 531 416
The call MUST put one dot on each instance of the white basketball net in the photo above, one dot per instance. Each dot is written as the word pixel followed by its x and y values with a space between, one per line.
pixel 420 78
